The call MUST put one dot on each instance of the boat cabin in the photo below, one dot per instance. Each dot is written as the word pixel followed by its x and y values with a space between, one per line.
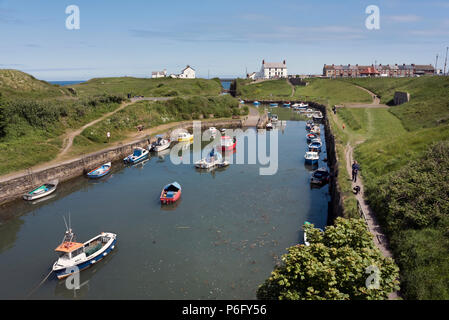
pixel 69 250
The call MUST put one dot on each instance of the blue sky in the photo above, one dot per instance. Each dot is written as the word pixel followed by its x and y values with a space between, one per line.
pixel 219 38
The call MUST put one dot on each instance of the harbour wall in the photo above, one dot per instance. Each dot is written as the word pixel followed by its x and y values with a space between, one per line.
pixel 15 187
pixel 335 206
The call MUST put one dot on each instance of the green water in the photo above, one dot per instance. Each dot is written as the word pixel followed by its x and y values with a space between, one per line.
pixel 220 241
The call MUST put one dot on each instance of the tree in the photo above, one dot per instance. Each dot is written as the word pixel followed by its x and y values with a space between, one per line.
pixel 340 263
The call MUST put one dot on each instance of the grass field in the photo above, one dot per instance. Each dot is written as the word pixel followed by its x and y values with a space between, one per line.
pixel 265 90
pixel 160 87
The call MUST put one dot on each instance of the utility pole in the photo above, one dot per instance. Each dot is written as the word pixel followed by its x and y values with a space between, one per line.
pixel 445 62
pixel 436 65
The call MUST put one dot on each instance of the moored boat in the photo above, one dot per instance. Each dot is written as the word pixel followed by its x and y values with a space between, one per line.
pixel 213 159
pixel 274 118
pixel 269 126
pixel 315 129
pixel 170 193
pixel 228 143
pixel 160 144
pixel 41 191
pixel 75 256
pixel 311 136
pixel 315 146
pixel 138 155
pixel 287 104
pixel 213 130
pixel 273 105
pixel 320 176
pixel 256 103
pixel 99 172
pixel 317 116
pixel 311 157
pixel 185 136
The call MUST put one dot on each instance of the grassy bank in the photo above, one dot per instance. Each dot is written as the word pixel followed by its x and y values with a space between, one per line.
pixel 265 90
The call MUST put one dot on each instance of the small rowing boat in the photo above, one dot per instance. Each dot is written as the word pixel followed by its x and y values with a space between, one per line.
pixel 311 157
pixel 273 105
pixel 100 171
pixel 170 193
pixel 42 191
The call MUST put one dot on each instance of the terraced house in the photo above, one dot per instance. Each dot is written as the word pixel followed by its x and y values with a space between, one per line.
pixel 356 71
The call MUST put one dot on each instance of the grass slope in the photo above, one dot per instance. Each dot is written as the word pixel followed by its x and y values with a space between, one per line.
pixel 265 90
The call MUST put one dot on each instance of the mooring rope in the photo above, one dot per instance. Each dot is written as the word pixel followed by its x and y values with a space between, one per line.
pixel 40 284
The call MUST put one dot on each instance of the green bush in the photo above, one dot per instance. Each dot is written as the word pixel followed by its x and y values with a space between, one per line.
pixel 334 266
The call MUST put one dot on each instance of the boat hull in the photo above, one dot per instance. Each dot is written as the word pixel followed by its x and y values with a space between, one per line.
pixel 94 175
pixel 161 148
pixel 62 273
pixel 136 160
pixel 165 200
pixel 30 196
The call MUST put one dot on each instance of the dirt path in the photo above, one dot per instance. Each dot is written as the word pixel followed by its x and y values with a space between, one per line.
pixel 374 104
pixel 293 88
pixel 379 238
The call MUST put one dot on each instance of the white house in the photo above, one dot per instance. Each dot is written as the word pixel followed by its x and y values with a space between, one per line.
pixel 273 70
pixel 187 73
pixel 159 74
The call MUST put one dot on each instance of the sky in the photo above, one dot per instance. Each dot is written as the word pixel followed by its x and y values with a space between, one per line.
pixel 217 38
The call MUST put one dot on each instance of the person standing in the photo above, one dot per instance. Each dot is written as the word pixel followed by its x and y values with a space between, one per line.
pixel 108 135
pixel 355 171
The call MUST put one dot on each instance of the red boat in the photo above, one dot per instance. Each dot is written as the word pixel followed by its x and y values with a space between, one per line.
pixel 171 193
pixel 227 143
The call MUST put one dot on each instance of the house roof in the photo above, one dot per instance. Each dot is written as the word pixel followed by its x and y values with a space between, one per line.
pixel 274 65
pixel 187 68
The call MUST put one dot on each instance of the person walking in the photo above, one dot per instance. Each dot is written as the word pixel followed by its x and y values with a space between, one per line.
pixel 355 170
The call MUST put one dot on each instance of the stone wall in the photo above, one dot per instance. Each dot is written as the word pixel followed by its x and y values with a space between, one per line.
pixel 16 187
pixel 401 97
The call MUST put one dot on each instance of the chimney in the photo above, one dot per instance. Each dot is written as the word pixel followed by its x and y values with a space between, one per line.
pixel 263 61
pixel 284 61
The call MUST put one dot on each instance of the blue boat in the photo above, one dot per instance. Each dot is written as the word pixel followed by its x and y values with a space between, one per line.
pixel 273 105
pixel 138 155
pixel 311 157
pixel 287 105
pixel 100 171
pixel 256 103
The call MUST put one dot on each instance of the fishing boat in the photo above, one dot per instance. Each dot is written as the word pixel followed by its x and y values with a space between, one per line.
pixel 311 157
pixel 160 144
pixel 273 105
pixel 75 256
pixel 309 110
pixel 213 159
pixel 138 155
pixel 41 191
pixel 223 130
pixel 185 136
pixel 309 125
pixel 228 143
pixel 315 146
pixel 171 193
pixel 256 103
pixel 320 176
pixel 269 126
pixel 100 171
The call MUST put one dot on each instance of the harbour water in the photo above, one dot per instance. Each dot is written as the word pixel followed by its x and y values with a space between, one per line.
pixel 220 241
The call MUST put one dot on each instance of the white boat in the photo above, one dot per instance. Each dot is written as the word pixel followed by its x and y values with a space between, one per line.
pixel 269 126
pixel 41 191
pixel 311 157
pixel 185 136
pixel 274 118
pixel 138 155
pixel 317 115
pixel 223 130
pixel 160 144
pixel 75 256
pixel 213 159
pixel 213 130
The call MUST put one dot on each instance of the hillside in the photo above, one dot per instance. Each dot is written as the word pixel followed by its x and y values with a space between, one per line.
pixel 15 83
pixel 160 87
pixel 264 90
pixel 429 98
